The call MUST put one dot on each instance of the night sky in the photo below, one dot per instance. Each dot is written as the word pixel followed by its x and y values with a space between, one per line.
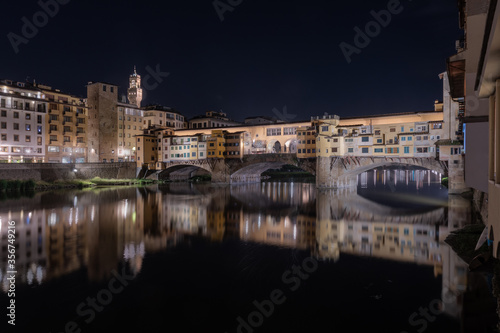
pixel 264 55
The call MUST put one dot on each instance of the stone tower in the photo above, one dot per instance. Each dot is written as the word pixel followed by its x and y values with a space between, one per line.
pixel 135 90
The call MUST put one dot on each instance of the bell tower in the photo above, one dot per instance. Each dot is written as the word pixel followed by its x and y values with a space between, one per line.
pixel 135 90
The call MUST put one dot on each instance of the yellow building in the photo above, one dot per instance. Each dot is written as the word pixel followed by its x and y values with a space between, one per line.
pixel 147 149
pixel 66 124
pixel 306 142
pixel 328 141
pixel 216 144
pixel 129 125
pixel 235 144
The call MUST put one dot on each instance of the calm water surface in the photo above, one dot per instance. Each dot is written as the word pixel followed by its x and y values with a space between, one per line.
pixel 269 257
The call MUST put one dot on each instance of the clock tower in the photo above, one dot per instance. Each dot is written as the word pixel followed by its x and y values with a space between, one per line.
pixel 135 90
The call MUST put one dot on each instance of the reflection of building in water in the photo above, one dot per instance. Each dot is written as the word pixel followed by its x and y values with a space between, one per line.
pixel 275 194
pixel 216 214
pixel 348 223
pixel 454 271
pixel 72 232
pixel 289 213
pixel 293 231
pixel 186 213
pixel 394 241
pixel 67 238
pixel 30 246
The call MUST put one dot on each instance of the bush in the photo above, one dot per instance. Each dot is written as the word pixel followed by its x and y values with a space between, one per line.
pixel 14 185
pixel 29 185
pixel 444 182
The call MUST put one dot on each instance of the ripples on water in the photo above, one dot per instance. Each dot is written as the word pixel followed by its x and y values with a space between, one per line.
pixel 198 256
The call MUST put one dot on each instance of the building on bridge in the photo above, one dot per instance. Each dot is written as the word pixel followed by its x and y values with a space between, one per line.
pixel 393 135
pixel 306 142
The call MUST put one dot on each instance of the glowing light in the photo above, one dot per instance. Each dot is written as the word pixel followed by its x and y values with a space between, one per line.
pixel 39 274
pixel 52 219
pixel 29 276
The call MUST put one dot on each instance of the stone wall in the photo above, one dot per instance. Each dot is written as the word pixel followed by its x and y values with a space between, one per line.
pixel 54 171
pixel 456 177
pixel 480 204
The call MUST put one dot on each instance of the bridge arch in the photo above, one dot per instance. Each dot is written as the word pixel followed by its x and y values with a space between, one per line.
pixel 183 171
pixel 361 169
pixel 340 172
pixel 274 147
pixel 251 168
pixel 291 146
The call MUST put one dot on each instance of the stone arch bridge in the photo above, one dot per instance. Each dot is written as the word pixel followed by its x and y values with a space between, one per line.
pixel 330 172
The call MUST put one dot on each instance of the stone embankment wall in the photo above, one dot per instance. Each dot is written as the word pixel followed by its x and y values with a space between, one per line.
pixel 480 204
pixel 57 171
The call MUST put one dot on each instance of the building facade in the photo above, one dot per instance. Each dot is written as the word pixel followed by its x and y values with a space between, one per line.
pixel 212 119
pixel 66 125
pixel 23 123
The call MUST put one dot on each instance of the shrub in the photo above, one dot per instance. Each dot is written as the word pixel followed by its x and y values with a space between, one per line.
pixel 444 182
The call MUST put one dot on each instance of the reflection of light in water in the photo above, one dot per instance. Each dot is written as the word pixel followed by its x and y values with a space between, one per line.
pixel 53 219
pixel 39 274
pixel 29 276
pixel 141 250
pixel 92 213
pixel 76 215
pixel 5 285
pixel 131 251
pixel 75 201
pixel 364 180
pixel 259 221
pixel 70 219
pixel 125 208
pixel 295 231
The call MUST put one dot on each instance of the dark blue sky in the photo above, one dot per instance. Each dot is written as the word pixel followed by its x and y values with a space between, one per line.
pixel 264 55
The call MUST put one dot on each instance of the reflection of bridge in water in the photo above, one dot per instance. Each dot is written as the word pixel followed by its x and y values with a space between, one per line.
pixel 57 237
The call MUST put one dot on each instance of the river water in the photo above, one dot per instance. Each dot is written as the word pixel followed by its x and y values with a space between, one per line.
pixel 268 257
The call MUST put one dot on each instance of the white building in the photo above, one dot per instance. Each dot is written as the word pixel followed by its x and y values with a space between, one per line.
pixel 22 122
